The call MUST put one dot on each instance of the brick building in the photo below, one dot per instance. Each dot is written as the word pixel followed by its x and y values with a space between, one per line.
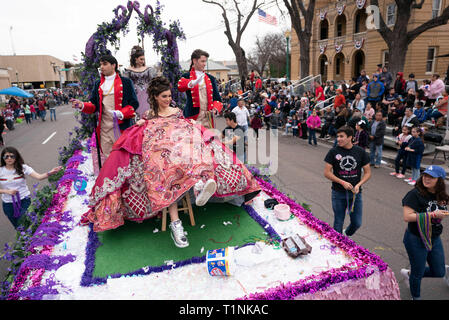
pixel 341 44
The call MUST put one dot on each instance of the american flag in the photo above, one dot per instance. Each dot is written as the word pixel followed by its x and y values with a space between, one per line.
pixel 267 18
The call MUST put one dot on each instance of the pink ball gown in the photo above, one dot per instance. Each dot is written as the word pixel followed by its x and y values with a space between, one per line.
pixel 154 165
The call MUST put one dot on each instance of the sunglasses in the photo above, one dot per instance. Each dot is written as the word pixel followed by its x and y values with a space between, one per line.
pixel 5 157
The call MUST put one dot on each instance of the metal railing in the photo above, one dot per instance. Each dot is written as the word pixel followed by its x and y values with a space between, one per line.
pixel 305 85
pixel 298 82
pixel 247 93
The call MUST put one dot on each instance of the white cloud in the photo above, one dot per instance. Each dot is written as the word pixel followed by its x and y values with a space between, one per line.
pixel 62 28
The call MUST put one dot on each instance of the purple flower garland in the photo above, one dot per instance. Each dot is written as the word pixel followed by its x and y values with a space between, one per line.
pixel 164 42
pixel 48 234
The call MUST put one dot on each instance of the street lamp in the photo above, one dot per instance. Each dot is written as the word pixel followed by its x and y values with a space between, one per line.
pixel 287 36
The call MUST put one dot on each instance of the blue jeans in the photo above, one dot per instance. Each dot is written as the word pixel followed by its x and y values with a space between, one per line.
pixel 416 172
pixel 435 114
pixel 8 209
pixel 312 135
pixel 52 114
pixel 418 256
pixel 341 203
pixel 375 154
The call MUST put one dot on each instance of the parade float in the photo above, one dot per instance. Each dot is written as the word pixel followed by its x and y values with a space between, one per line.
pixel 272 249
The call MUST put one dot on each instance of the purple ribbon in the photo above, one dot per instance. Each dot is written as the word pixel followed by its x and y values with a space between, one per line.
pixel 16 203
pixel 117 132
pixel 333 249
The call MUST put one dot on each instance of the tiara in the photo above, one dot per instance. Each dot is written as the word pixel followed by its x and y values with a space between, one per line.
pixel 135 50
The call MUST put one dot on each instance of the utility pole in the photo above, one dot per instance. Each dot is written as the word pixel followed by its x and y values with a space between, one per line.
pixel 287 36
pixel 12 41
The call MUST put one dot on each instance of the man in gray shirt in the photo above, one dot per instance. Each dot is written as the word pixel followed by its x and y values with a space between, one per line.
pixel 377 133
pixel 52 106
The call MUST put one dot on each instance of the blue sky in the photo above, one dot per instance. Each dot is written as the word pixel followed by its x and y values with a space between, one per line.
pixel 62 28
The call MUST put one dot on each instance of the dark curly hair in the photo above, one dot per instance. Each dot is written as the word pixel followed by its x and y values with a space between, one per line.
pixel 136 52
pixel 156 87
pixel 18 164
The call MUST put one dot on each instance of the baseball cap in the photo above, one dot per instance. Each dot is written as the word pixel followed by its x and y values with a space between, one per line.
pixel 436 172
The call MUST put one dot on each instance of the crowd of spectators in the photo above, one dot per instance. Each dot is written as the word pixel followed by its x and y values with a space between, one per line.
pixel 30 109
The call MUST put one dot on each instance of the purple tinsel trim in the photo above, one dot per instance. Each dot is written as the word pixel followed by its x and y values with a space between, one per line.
pixel 46 236
pixel 38 292
pixel 77 158
pixel 264 224
pixel 309 286
pixel 92 246
pixel 361 268
pixel 46 262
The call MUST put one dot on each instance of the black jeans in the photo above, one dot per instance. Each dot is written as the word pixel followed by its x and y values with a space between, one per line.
pixel 402 155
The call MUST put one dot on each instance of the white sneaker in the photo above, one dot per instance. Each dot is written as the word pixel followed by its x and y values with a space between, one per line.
pixel 178 234
pixel 208 190
pixel 393 174
pixel 412 183
pixel 406 274
pixel 408 179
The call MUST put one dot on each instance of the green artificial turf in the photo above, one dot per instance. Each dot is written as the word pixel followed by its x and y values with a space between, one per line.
pixel 134 246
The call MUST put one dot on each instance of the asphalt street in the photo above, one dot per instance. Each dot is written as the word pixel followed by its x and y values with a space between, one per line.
pixel 300 174
pixel 29 139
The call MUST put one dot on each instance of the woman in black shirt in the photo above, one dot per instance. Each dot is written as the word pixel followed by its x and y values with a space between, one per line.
pixel 424 208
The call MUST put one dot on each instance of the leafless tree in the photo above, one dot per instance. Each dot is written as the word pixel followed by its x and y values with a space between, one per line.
pixel 269 51
pixel 302 19
pixel 400 37
pixel 233 7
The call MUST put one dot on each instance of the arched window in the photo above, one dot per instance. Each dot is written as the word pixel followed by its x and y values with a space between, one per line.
pixel 324 29
pixel 360 21
pixel 340 26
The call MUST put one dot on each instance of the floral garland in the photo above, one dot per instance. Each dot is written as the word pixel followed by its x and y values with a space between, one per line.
pixel 164 43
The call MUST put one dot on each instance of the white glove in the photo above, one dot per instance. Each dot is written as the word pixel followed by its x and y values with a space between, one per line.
pixel 118 114
pixel 192 84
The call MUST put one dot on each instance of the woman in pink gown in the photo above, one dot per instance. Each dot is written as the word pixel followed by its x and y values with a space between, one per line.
pixel 156 162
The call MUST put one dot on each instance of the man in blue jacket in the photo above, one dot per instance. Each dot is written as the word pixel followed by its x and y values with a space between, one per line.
pixel 375 90
pixel 203 97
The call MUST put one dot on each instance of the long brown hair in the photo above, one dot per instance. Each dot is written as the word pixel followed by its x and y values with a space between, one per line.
pixel 18 164
pixel 440 190
pixel 156 87
pixel 136 52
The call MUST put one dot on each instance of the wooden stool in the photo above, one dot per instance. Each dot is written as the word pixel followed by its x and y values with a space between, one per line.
pixel 186 206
